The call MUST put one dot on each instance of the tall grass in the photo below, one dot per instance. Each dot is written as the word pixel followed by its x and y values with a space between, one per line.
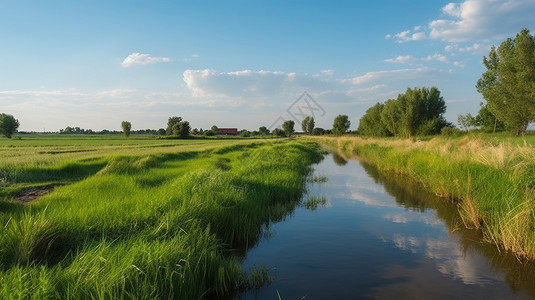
pixel 153 226
pixel 490 179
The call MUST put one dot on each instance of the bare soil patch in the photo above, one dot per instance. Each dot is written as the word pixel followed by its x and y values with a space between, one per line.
pixel 29 195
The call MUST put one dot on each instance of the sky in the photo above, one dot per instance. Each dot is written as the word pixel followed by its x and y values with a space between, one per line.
pixel 244 64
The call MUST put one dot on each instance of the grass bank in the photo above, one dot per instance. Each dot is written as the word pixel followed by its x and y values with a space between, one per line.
pixel 490 178
pixel 148 223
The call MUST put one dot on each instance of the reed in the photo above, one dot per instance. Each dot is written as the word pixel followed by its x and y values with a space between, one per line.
pixel 490 179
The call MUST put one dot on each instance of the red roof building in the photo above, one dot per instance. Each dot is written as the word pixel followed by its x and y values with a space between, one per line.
pixel 231 131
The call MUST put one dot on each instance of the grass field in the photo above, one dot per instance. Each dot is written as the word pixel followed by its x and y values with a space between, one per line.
pixel 141 218
pixel 490 177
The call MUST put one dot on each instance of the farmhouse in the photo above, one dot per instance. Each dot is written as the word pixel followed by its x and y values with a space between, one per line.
pixel 230 131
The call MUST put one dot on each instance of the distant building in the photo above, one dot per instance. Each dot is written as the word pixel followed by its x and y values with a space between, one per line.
pixel 230 131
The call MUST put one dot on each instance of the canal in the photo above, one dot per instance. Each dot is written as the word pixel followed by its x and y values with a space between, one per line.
pixel 362 235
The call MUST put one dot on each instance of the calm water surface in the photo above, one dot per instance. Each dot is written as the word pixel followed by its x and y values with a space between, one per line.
pixel 380 237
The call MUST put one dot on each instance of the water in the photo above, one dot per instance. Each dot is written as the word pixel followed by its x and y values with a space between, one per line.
pixel 381 237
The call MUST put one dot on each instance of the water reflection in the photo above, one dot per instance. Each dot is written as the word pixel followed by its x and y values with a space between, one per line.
pixel 461 254
pixel 382 236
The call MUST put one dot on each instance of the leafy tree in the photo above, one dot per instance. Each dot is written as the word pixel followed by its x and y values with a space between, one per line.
pixel 417 111
pixel 278 132
pixel 215 129
pixel 8 125
pixel 370 123
pixel 318 131
pixel 308 124
pixel 263 130
pixel 161 131
pixel 126 126
pixel 177 127
pixel 341 124
pixel 288 127
pixel 245 133
pixel 488 121
pixel 171 123
pixel 391 116
pixel 466 121
pixel 508 85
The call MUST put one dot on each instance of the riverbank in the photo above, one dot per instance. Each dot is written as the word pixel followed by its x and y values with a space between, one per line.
pixel 490 179
pixel 158 222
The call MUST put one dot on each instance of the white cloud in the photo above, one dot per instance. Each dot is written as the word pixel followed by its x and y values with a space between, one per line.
pixel 402 59
pixel 116 93
pixel 139 59
pixel 476 20
pixel 388 75
pixel 407 35
pixel 249 83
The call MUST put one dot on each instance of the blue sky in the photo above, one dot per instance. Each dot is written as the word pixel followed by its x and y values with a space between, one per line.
pixel 93 64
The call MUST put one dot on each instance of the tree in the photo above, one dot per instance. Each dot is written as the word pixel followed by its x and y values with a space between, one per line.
pixel 177 127
pixel 8 125
pixel 341 124
pixel 263 130
pixel 288 127
pixel 171 123
pixel 466 121
pixel 488 121
pixel 278 132
pixel 215 129
pixel 417 111
pixel 508 85
pixel 182 129
pixel 126 126
pixel 318 131
pixel 308 124
pixel 370 123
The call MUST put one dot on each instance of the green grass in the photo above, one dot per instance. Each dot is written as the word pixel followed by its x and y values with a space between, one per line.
pixel 147 224
pixel 491 178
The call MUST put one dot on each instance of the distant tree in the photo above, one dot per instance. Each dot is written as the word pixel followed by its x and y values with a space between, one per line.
pixel 318 131
pixel 209 133
pixel 126 126
pixel 466 121
pixel 508 85
pixel 417 111
pixel 278 132
pixel 245 133
pixel 370 123
pixel 177 127
pixel 182 129
pixel 341 124
pixel 161 131
pixel 488 122
pixel 263 130
pixel 8 125
pixel 215 129
pixel 288 127
pixel 308 124
pixel 171 123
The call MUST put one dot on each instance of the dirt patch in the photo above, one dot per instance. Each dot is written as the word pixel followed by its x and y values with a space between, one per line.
pixel 29 195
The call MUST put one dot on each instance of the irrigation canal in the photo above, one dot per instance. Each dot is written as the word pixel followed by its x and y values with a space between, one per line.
pixel 380 237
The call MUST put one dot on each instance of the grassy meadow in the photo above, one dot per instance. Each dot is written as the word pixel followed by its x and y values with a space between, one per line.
pixel 491 178
pixel 141 218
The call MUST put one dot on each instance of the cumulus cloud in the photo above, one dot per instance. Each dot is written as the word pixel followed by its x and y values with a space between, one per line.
pixel 139 59
pixel 481 20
